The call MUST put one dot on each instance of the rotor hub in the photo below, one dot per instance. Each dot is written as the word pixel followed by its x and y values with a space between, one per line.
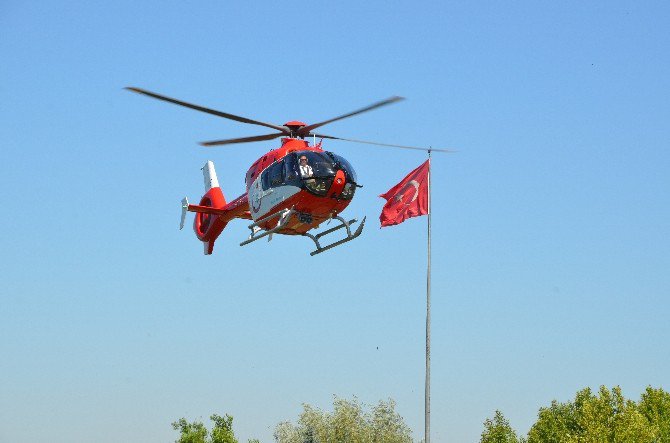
pixel 294 123
pixel 294 128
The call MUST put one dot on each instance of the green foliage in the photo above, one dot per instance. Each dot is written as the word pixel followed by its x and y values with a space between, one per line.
pixel 223 429
pixel 604 417
pixel 347 423
pixel 655 406
pixel 190 432
pixel 555 424
pixel 195 432
pixel 498 430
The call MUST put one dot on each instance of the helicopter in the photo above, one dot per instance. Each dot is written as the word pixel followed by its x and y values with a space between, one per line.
pixel 290 190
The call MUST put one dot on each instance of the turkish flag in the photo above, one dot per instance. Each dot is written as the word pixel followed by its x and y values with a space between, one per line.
pixel 407 199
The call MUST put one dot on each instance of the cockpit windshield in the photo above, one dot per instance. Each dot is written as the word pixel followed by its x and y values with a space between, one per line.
pixel 315 171
pixel 315 165
pixel 322 165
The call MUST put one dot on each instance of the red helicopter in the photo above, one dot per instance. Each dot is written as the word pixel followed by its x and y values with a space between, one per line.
pixel 291 190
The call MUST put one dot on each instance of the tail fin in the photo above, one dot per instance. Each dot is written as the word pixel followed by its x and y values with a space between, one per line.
pixel 209 174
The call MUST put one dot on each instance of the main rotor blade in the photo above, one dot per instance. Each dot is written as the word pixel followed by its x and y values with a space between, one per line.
pixel 306 129
pixel 381 144
pixel 207 110
pixel 231 141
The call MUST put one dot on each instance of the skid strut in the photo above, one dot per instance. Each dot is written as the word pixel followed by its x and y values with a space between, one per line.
pixel 283 216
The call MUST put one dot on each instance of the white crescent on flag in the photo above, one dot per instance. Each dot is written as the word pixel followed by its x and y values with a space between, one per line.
pixel 400 196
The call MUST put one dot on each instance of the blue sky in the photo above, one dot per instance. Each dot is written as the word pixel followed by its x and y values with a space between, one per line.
pixel 550 225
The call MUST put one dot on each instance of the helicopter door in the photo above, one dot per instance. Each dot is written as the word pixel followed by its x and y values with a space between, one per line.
pixel 263 187
pixel 273 176
pixel 291 176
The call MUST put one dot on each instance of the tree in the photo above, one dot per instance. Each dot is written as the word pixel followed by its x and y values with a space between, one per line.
pixel 222 432
pixel 348 422
pixel 190 432
pixel 196 432
pixel 655 406
pixel 603 418
pixel 498 430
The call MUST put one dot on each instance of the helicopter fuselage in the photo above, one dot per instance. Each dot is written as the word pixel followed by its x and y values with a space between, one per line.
pixel 275 183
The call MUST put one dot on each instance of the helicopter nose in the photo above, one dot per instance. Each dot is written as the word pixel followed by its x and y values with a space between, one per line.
pixel 338 184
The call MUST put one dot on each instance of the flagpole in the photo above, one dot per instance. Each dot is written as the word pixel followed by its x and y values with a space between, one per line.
pixel 427 393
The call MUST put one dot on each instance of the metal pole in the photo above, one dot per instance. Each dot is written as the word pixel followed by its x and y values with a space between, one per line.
pixel 427 405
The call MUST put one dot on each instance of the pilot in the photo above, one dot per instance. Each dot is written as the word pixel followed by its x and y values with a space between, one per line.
pixel 305 169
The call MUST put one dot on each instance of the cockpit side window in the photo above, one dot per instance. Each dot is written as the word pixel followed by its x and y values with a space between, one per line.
pixel 273 175
pixel 291 170
pixel 346 167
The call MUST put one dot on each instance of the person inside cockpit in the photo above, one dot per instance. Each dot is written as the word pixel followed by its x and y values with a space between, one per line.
pixel 305 168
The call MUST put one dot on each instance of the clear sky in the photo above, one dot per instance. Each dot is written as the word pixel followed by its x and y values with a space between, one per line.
pixel 551 245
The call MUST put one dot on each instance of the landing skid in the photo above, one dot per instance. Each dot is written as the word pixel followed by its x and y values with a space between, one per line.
pixel 344 224
pixel 284 216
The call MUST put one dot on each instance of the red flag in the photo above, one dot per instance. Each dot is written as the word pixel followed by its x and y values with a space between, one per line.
pixel 407 199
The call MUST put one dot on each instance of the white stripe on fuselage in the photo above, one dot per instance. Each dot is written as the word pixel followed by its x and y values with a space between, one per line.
pixel 261 202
